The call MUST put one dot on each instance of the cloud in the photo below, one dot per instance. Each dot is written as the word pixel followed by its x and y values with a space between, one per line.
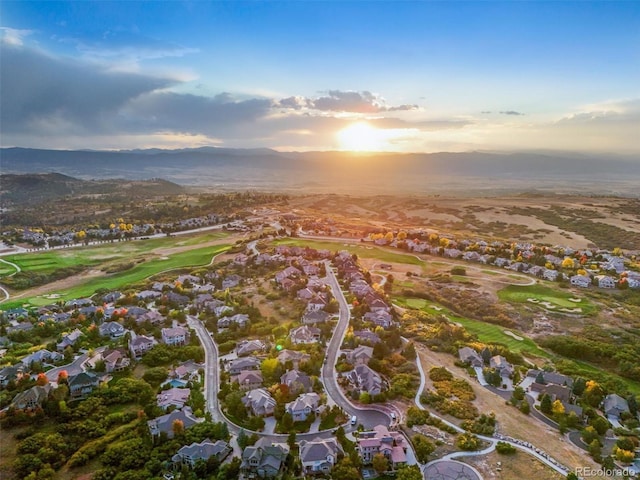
pixel 124 46
pixel 13 36
pixel 511 112
pixel 194 113
pixel 40 91
pixel 344 101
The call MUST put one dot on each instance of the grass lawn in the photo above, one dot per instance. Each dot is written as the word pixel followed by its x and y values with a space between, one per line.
pixel 142 271
pixel 486 332
pixel 364 250
pixel 542 293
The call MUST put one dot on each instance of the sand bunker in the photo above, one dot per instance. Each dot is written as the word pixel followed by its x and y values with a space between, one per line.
pixel 571 310
pixel 575 300
pixel 513 335
pixel 52 296
pixel 436 308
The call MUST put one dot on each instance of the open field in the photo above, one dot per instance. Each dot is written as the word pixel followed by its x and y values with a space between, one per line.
pixel 509 420
pixel 552 299
pixel 360 249
pixel 141 271
pixel 508 467
pixel 486 332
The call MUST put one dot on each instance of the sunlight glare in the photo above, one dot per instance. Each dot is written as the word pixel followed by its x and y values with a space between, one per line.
pixel 361 137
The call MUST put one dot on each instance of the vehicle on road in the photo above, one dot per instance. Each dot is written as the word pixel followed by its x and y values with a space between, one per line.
pixel 354 420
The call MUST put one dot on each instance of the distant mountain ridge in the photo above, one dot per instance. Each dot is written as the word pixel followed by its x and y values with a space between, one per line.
pixel 33 188
pixel 270 169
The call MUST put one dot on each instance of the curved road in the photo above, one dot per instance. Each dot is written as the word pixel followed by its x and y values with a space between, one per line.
pixel 18 270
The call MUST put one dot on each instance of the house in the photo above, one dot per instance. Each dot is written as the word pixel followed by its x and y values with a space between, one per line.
pixel 42 357
pixel 112 330
pixel 115 360
pixel 470 356
pixel 311 317
pixel 367 336
pixel 551 275
pixel 380 318
pixel 303 406
pixel 552 377
pixel 556 392
pixel 152 316
pixel 234 367
pixel 246 347
pixel 148 295
pixel 320 455
pixel 298 382
pixel 305 294
pixel 582 281
pixel 380 440
pixel 316 304
pixel 231 281
pixel 82 384
pixel 304 335
pixel 248 379
pixel 296 358
pixel 615 405
pixel 263 460
pixel 502 366
pixel 173 397
pixel 187 370
pixel 140 344
pixel 364 379
pixel 69 340
pixel 605 281
pixel 240 319
pixel 189 279
pixel 287 273
pixel 260 402
pixel 175 336
pixel 360 355
pixel 16 314
pixel 31 398
pixel 166 423
pixel 11 373
pixel 190 454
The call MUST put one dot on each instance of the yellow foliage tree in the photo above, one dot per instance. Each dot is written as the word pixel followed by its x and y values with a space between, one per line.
pixel 402 235
pixel 557 408
pixel 567 262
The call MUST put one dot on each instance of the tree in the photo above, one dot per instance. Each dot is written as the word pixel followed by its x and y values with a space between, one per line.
pixel 344 470
pixel 567 262
pixel 505 448
pixel 601 424
pixel 525 408
pixel 546 405
pixel 632 401
pixel 589 434
pixel 593 393
pixel 271 370
pixel 557 408
pixel 468 441
pixel 42 380
pixel 177 427
pixel 291 441
pixel 540 378
pixel 624 456
pixel 380 463
pixel 423 447
pixel 518 393
pixel 572 476
pixel 595 450
pixel 409 473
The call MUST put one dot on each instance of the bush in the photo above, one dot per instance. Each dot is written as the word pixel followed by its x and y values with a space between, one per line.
pixel 505 448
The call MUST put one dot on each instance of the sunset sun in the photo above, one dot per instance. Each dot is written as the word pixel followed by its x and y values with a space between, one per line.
pixel 361 137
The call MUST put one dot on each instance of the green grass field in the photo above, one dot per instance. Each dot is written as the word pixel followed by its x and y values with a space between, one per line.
pixel 555 296
pixel 142 271
pixel 362 250
pixel 486 332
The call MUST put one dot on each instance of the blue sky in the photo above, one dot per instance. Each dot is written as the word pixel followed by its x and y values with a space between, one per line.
pixel 400 76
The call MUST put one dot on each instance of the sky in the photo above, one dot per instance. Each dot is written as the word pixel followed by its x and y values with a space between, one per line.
pixel 322 75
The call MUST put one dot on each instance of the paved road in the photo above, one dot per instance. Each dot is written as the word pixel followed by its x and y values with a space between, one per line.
pixel 369 417
pixel 4 290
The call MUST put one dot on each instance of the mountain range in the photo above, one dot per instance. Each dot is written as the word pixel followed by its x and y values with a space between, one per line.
pixel 225 168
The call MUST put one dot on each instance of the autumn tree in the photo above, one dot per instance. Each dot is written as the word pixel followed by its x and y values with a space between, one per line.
pixel 557 408
pixel 568 263
pixel 42 380
pixel 177 427
pixel 380 463
pixel 411 472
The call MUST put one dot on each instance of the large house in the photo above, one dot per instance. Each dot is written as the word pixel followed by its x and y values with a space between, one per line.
pixel 293 356
pixel 311 317
pixel 173 397
pixel 319 456
pixel 140 344
pixel 305 335
pixel 298 382
pixel 31 398
pixel 360 355
pixel 82 384
pixel 260 402
pixel 470 356
pixel 166 423
pixel 69 340
pixel 115 360
pixel 501 365
pixel 234 367
pixel 303 406
pixel 615 405
pixel 247 347
pixel 112 330
pixel 42 356
pixel 190 454
pixel 175 336
pixel 364 379
pixel 263 460
pixel 248 379
pixel 380 440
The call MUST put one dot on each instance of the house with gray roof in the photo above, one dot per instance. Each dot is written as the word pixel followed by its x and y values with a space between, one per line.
pixel 305 335
pixel 248 379
pixel 247 347
pixel 69 340
pixel 260 402
pixel 364 379
pixel 82 384
pixel 360 355
pixel 311 317
pixel 165 423
pixel 470 356
pixel 303 406
pixel 615 405
pixel 175 336
pixel 293 356
pixel 140 344
pixel 173 397
pixel 264 459
pixel 112 330
pixel 319 456
pixel 42 356
pixel 502 366
pixel 234 367
pixel 190 454
pixel 298 382
pixel 31 398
